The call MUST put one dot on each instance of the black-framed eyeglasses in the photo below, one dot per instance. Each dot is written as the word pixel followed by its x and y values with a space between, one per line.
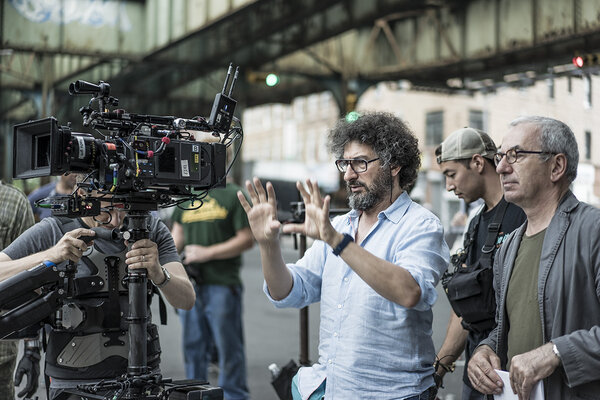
pixel 358 165
pixel 512 155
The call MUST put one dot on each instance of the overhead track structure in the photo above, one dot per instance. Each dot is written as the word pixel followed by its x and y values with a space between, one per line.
pixel 312 45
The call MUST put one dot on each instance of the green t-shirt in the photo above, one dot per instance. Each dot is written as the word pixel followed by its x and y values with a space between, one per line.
pixel 218 220
pixel 525 324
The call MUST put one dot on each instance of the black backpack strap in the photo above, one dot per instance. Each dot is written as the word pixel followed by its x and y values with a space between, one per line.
pixel 162 306
pixel 66 224
pixel 487 251
pixel 470 236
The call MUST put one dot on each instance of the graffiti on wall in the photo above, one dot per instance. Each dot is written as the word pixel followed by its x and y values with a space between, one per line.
pixel 96 13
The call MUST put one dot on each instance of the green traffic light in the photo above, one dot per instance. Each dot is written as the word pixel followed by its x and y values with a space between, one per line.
pixel 272 80
pixel 352 116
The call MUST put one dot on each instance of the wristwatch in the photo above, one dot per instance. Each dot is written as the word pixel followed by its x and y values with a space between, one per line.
pixel 556 352
pixel 167 276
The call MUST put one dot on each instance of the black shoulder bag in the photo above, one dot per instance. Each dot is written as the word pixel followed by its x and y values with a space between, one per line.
pixel 470 288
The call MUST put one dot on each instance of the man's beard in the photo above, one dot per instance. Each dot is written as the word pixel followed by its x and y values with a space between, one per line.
pixel 372 195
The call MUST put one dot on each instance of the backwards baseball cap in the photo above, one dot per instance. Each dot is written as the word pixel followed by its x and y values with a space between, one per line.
pixel 464 143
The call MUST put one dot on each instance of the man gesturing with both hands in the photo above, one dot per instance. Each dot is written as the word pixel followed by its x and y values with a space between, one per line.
pixel 374 269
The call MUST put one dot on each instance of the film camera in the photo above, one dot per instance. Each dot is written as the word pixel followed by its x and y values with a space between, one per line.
pixel 139 158
pixel 138 162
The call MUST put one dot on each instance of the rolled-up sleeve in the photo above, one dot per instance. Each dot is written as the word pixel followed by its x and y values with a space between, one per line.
pixel 424 254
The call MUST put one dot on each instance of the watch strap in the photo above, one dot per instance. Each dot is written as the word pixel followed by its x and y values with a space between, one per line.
pixel 167 276
pixel 342 245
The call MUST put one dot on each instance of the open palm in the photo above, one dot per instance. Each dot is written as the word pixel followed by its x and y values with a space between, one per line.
pixel 262 214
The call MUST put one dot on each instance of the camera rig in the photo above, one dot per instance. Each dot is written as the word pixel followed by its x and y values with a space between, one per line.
pixel 136 162
pixel 138 159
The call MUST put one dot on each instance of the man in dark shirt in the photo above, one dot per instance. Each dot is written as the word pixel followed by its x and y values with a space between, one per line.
pixel 466 160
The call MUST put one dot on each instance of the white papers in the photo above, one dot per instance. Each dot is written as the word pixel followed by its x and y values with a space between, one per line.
pixel 537 393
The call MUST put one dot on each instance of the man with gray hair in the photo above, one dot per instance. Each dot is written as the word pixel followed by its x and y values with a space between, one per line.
pixel 547 273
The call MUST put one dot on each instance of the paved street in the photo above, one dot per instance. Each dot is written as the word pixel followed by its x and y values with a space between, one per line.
pixel 272 334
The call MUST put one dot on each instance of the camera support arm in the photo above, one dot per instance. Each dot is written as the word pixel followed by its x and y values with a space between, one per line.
pixel 27 307
pixel 37 293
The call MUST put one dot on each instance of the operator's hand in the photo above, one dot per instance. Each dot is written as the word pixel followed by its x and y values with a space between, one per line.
pixel 481 371
pixel 144 254
pixel 194 253
pixel 262 214
pixel 528 368
pixel 30 366
pixel 316 222
pixel 70 246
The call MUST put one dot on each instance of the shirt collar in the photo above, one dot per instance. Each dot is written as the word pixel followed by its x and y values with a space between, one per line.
pixel 394 212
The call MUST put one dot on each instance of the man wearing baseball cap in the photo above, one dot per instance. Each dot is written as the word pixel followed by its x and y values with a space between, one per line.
pixel 466 160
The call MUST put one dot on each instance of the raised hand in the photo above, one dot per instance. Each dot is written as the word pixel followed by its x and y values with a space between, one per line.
pixel 316 222
pixel 262 214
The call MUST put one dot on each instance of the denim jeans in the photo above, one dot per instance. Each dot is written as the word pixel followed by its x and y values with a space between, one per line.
pixel 471 394
pixel 216 316
pixel 428 394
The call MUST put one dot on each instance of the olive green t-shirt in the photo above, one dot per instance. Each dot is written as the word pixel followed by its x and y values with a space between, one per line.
pixel 218 220
pixel 525 324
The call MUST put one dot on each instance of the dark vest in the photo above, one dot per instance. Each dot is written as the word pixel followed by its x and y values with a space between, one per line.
pixel 90 339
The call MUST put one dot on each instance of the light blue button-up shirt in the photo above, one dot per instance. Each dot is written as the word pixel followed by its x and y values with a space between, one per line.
pixel 370 347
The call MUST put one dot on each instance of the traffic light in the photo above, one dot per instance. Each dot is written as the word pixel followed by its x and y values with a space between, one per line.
pixel 586 60
pixel 269 79
pixel 352 116
pixel 272 80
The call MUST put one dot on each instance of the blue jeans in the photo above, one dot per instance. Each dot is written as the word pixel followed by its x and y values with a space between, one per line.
pixel 426 395
pixel 471 394
pixel 217 317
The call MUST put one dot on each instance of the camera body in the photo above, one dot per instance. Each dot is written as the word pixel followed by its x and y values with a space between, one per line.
pixel 140 153
pixel 143 161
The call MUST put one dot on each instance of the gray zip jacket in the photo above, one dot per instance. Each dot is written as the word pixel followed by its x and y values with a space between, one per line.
pixel 568 298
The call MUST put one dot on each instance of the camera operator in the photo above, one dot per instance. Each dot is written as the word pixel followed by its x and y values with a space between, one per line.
pixel 15 217
pixel 97 347
pixel 466 160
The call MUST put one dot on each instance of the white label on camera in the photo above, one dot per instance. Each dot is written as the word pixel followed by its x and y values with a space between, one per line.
pixel 81 144
pixel 185 169
pixel 195 148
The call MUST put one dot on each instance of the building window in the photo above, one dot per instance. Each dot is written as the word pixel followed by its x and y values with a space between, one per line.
pixel 476 119
pixel 588 91
pixel 434 128
pixel 588 145
pixel 550 83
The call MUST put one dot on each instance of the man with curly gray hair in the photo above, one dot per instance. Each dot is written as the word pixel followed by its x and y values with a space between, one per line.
pixel 374 269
